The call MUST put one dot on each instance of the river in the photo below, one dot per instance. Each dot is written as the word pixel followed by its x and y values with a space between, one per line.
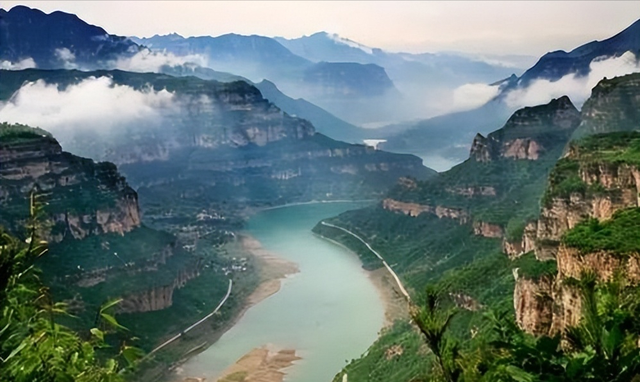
pixel 329 312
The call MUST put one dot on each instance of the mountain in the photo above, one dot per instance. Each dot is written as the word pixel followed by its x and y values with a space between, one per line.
pixel 57 40
pixel 326 84
pixel 450 230
pixel 426 81
pixel 224 144
pixel 98 247
pixel 324 122
pixel 425 137
pixel 555 65
pixel 513 228
pixel 454 69
pixel 323 46
pixel 442 141
pixel 254 57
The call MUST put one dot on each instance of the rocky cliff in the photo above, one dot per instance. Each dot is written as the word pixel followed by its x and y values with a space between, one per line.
pixel 98 248
pixel 497 187
pixel 158 297
pixel 220 142
pixel 613 106
pixel 586 225
pixel 522 137
pixel 82 197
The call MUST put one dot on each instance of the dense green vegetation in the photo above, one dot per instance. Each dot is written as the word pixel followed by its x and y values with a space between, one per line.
pixel 619 235
pixel 471 271
pixel 588 154
pixel 17 133
pixel 531 268
pixel 34 346
pixel 602 347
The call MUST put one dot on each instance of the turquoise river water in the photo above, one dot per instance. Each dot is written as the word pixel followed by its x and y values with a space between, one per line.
pixel 329 312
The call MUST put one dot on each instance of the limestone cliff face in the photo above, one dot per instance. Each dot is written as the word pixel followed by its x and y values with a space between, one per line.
pixel 472 191
pixel 522 149
pixel 621 183
pixel 523 136
pixel 414 209
pixel 485 229
pixel 157 298
pixel 533 304
pixel 594 180
pixel 603 264
pixel 83 198
pixel 527 243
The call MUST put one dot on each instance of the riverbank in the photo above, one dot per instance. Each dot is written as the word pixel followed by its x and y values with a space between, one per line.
pixel 263 364
pixel 272 269
pixel 394 302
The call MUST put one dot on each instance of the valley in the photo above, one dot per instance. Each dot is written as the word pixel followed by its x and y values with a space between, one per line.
pixel 251 207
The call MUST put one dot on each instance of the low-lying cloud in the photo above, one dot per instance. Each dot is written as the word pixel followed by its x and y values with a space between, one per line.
pixel 578 88
pixel 94 104
pixel 153 61
pixel 27 63
pixel 471 96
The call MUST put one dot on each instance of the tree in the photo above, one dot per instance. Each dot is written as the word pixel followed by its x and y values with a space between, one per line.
pixel 433 320
pixel 33 345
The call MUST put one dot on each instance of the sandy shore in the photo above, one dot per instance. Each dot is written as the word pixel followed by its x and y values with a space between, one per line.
pixel 395 305
pixel 272 270
pixel 260 365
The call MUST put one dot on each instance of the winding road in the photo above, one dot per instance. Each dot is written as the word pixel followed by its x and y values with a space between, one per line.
pixel 384 262
pixel 170 340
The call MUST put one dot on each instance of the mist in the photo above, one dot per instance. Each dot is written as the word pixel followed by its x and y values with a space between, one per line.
pixel 578 88
pixel 152 61
pixel 94 105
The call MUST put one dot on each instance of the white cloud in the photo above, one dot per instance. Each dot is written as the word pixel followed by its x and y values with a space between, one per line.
pixel 578 88
pixel 95 104
pixel 151 61
pixel 65 54
pixel 67 57
pixel 26 63
pixel 471 96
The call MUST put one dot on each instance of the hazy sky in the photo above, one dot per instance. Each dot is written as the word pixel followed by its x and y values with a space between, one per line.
pixel 501 27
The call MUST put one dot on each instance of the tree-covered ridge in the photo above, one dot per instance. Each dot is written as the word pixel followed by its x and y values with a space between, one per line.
pixel 590 154
pixel 619 235
pixel 10 132
pixel 512 187
pixel 613 106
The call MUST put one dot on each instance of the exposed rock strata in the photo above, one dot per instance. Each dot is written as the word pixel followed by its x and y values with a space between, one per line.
pixel 67 184
pixel 414 209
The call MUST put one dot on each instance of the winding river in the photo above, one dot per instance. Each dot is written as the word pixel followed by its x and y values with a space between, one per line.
pixel 329 312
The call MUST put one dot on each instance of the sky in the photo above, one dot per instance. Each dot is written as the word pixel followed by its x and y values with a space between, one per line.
pixel 497 27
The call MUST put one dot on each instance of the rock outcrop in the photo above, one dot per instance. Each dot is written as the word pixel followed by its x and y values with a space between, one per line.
pixel 533 304
pixel 160 297
pixel 597 178
pixel 523 136
pixel 224 142
pixel 485 229
pixel 414 209
pixel 82 197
